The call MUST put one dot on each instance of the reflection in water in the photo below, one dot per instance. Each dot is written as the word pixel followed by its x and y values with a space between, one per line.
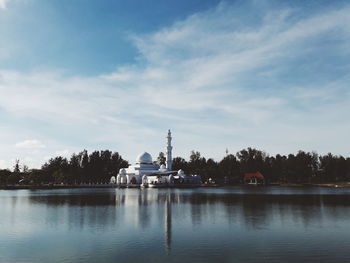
pixel 109 225
pixel 167 225
pixel 144 200
pixel 253 210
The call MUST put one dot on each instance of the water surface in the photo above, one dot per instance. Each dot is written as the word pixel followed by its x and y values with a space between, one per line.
pixel 233 224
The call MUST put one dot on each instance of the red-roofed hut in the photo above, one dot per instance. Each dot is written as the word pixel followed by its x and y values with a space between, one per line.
pixel 254 178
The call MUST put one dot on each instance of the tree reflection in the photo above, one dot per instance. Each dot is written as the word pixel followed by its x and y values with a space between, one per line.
pixel 168 209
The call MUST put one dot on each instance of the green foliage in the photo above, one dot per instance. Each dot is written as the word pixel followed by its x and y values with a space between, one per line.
pixel 180 163
pixel 302 168
pixel 161 158
pixel 35 177
pixel 5 176
pixel 100 166
pixel 16 167
pixel 96 167
pixel 229 167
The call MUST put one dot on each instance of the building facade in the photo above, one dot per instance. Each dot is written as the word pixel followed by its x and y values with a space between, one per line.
pixel 147 173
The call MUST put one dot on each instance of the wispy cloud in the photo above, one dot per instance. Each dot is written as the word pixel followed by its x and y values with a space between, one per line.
pixel 63 153
pixel 30 144
pixel 216 78
pixel 3 4
pixel 3 164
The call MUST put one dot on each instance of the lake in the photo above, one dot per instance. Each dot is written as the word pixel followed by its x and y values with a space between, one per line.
pixel 231 224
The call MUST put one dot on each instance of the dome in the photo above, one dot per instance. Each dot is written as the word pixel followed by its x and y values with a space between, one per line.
pixel 122 171
pixel 144 158
pixel 180 172
pixel 162 167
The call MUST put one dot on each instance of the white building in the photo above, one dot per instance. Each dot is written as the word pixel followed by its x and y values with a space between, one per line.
pixel 147 173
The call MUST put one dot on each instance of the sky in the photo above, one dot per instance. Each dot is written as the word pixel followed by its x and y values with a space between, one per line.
pixel 96 75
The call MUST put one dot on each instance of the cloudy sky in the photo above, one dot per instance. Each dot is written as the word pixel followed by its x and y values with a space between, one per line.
pixel 116 75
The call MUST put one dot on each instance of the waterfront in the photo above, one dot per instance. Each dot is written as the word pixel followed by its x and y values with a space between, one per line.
pixel 233 224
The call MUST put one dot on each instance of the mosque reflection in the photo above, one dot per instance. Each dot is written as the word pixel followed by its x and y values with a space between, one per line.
pixel 250 210
pixel 168 211
pixel 140 206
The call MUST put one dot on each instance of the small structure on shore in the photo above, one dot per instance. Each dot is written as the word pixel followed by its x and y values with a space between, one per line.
pixel 254 178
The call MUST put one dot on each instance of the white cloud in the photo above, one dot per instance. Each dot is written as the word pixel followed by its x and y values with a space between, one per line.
pixel 3 4
pixel 215 81
pixel 63 153
pixel 3 164
pixel 30 144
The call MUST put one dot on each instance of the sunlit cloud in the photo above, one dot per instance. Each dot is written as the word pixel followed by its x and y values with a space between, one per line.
pixel 3 4
pixel 216 80
pixel 3 164
pixel 63 153
pixel 30 144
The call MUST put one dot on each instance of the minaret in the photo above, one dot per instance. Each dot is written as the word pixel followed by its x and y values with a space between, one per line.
pixel 169 159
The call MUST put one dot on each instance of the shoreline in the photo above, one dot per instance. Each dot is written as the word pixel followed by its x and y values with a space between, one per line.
pixel 48 187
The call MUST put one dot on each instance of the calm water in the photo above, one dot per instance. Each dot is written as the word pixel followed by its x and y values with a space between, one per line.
pixel 238 224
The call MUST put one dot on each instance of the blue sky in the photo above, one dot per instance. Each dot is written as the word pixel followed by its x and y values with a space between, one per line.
pixel 220 74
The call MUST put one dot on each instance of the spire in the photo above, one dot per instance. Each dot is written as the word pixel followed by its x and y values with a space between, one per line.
pixel 169 148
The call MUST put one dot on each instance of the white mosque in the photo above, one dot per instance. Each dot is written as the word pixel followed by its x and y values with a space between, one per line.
pixel 146 173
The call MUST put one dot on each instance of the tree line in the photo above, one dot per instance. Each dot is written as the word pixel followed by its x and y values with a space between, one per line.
pixel 300 168
pixel 99 166
pixel 81 168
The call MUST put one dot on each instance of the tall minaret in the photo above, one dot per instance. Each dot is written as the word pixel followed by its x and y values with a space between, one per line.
pixel 169 159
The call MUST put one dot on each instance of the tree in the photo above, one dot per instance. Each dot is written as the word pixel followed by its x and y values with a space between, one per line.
pixel 84 166
pixel 53 165
pixel 100 166
pixel 35 177
pixel 59 176
pixel 161 158
pixel 251 160
pixel 117 163
pixel 15 177
pixel 197 163
pixel 180 163
pixel 75 168
pixel 16 168
pixel 25 168
pixel 229 167
pixel 4 176
pixel 210 169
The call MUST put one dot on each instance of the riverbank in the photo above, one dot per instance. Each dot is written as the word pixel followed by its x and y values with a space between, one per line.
pixel 336 185
pixel 60 186
pixel 34 187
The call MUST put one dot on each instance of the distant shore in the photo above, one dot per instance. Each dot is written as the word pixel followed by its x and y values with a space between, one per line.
pixel 336 185
pixel 55 186
pixel 58 186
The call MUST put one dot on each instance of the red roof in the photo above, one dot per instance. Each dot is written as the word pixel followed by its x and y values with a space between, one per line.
pixel 257 175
